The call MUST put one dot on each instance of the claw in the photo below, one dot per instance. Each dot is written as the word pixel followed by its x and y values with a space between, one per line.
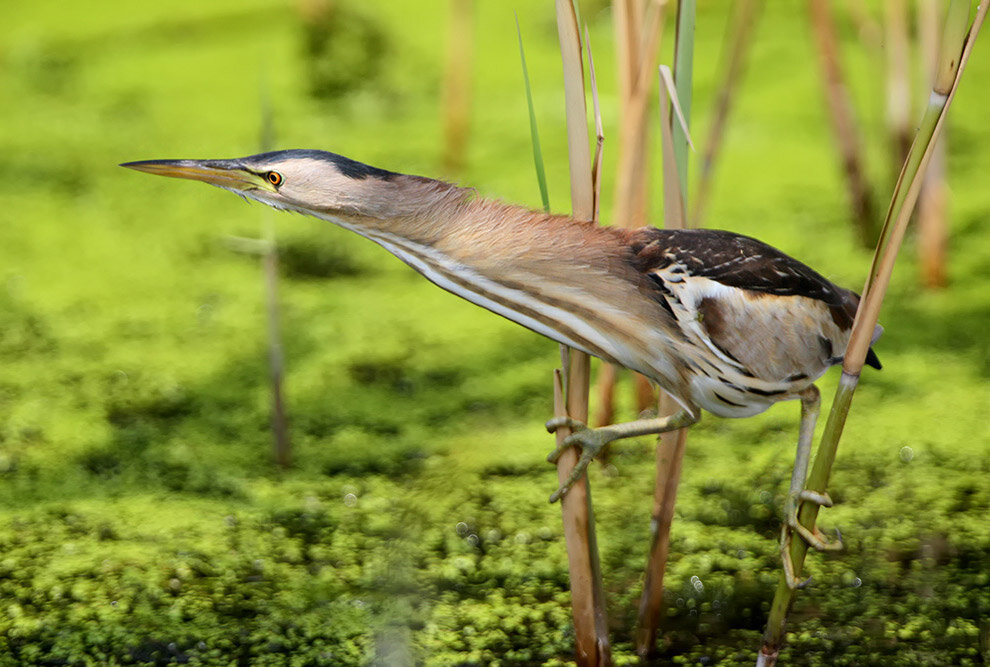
pixel 810 403
pixel 561 422
pixel 816 539
pixel 793 582
pixel 822 499
pixel 591 442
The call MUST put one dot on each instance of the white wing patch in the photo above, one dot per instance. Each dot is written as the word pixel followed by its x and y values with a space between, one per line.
pixel 743 375
pixel 688 292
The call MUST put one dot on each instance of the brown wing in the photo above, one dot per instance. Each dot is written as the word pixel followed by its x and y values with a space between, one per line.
pixel 742 262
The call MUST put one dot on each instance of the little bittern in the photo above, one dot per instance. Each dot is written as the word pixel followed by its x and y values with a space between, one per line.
pixel 721 321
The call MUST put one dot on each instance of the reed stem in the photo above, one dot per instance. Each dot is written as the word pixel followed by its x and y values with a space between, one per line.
pixel 587 594
pixel 956 47
pixel 843 121
pixel 670 446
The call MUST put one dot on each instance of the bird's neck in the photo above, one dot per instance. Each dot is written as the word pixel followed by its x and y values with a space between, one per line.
pixel 570 281
pixel 433 217
pixel 432 221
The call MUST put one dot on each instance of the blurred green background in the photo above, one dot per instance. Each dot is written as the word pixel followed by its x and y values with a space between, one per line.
pixel 142 519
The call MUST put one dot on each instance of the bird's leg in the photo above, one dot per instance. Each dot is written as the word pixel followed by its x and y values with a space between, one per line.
pixel 810 404
pixel 591 440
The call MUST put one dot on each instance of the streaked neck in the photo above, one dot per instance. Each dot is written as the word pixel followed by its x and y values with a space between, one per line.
pixel 567 280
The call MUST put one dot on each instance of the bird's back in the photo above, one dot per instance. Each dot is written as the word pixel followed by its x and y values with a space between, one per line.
pixel 758 326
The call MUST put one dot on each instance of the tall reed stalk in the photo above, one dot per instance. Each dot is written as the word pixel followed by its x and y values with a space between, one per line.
pixel 638 27
pixel 670 446
pixel 572 382
pixel 956 46
pixel 933 232
pixel 266 248
pixel 899 108
pixel 457 85
pixel 269 261
pixel 683 81
pixel 843 121
pixel 739 37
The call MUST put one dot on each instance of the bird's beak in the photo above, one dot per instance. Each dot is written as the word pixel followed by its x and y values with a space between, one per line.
pixel 229 174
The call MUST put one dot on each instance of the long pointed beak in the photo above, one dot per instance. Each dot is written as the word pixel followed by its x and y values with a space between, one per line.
pixel 228 174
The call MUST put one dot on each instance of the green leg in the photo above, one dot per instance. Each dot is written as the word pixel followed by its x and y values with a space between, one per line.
pixel 810 404
pixel 591 441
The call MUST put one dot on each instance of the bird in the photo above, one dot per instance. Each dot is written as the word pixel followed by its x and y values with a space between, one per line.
pixel 721 321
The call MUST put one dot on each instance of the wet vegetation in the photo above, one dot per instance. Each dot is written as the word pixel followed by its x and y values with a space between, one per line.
pixel 142 520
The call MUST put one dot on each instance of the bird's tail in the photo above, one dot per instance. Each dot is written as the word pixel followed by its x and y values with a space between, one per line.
pixel 871 356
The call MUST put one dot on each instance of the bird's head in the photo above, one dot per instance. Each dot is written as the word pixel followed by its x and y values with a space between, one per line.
pixel 308 181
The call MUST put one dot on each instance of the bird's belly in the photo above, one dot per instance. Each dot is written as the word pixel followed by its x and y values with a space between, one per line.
pixel 742 352
pixel 729 394
pixel 729 400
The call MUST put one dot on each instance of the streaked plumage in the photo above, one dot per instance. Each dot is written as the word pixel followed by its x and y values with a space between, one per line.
pixel 767 325
pixel 723 322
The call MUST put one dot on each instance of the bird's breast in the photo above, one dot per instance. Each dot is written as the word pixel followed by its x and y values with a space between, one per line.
pixel 746 350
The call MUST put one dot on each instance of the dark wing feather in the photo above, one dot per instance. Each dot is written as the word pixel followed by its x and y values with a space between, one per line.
pixel 742 262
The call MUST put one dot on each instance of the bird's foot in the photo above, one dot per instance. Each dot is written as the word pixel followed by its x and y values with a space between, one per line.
pixel 816 539
pixel 591 442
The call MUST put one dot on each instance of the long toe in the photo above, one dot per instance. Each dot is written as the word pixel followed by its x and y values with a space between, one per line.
pixel 794 582
pixel 822 499
pixel 576 473
pixel 817 539
pixel 565 422
pixel 591 442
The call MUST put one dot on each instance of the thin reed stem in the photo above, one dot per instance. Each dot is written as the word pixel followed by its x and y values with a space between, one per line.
pixel 740 32
pixel 282 447
pixel 957 44
pixel 637 36
pixel 843 121
pixel 670 446
pixel 457 86
pixel 587 594
pixel 683 79
pixel 933 232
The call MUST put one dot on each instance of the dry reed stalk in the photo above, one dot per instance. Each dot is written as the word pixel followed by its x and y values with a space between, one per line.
pixel 269 258
pixel 670 458
pixel 683 81
pixel 645 393
pixel 276 358
pixel 571 391
pixel 933 228
pixel 457 86
pixel 670 446
pixel 740 30
pixel 266 249
pixel 638 27
pixel 843 121
pixel 868 28
pixel 596 165
pixel 639 40
pixel 956 46
pixel 899 107
pixel 608 375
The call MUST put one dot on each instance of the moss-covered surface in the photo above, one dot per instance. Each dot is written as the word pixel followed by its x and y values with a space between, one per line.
pixel 141 519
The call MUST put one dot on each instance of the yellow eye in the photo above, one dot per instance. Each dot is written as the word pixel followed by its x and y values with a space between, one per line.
pixel 274 178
